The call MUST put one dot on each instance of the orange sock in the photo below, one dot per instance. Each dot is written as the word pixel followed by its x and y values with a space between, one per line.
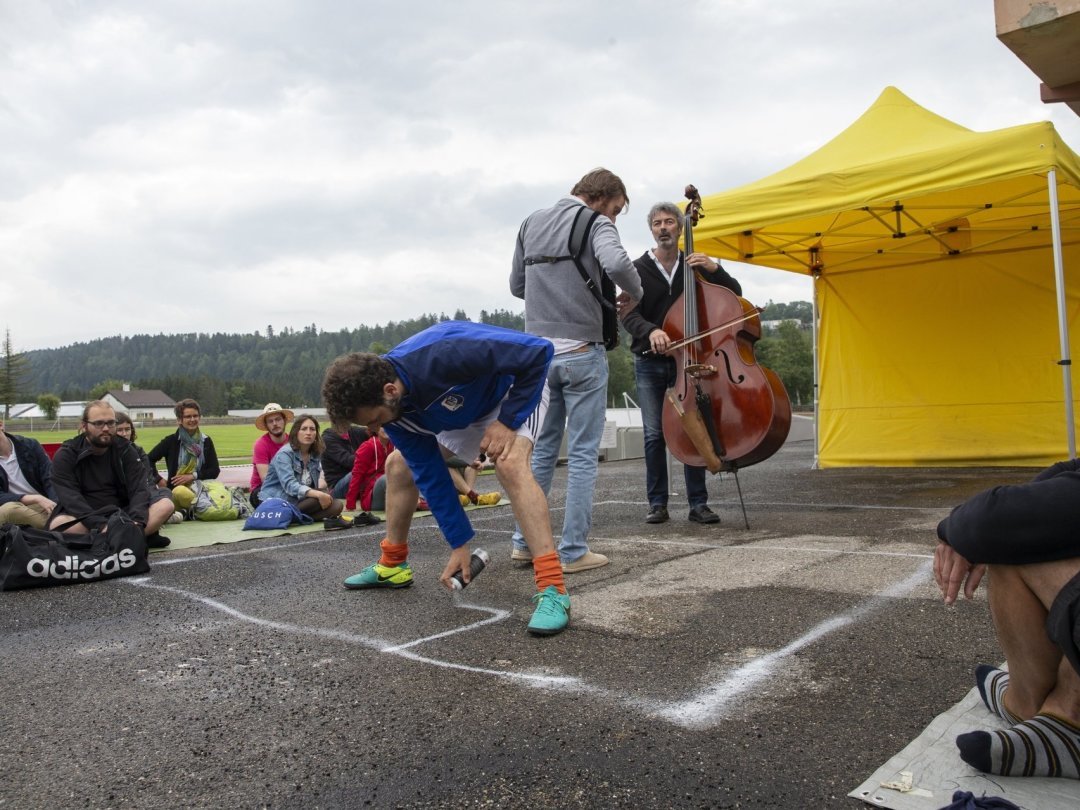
pixel 547 570
pixel 394 554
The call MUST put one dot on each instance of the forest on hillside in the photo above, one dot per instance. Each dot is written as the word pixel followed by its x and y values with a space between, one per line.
pixel 235 371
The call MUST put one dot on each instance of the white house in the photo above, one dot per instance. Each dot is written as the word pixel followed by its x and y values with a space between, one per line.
pixel 142 406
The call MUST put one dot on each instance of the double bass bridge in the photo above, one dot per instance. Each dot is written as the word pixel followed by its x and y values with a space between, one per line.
pixel 700 370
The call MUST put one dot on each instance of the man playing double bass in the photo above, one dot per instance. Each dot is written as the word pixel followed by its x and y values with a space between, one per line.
pixel 662 275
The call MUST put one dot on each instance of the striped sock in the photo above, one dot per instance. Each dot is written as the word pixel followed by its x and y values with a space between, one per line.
pixel 1045 745
pixel 992 683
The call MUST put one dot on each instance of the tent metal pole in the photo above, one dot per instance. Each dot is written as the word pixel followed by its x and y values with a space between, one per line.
pixel 1063 318
pixel 814 315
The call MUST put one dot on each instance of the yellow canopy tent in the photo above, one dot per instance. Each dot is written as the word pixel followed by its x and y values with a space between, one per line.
pixel 938 258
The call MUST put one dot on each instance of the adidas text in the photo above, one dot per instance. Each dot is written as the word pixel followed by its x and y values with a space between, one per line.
pixel 73 567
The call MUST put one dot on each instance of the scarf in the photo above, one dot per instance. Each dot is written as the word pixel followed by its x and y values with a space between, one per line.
pixel 190 458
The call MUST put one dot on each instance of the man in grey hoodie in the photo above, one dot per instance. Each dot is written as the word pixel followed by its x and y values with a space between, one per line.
pixel 559 307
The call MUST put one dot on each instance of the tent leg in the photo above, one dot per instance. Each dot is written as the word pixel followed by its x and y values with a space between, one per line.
pixel 814 333
pixel 1063 318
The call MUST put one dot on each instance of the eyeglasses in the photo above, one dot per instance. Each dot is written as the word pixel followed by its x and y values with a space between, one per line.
pixel 102 423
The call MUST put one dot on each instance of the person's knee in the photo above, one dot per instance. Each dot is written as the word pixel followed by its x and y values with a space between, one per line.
pixel 513 472
pixel 398 473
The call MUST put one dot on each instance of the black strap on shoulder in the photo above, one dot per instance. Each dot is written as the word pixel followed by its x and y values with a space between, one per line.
pixel 575 245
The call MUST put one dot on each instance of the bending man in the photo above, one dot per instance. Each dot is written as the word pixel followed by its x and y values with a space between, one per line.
pixel 474 389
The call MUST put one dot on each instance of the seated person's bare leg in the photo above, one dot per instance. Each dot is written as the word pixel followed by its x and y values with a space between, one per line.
pixel 60 520
pixel 469 475
pixel 158 514
pixel 1042 684
pixel 460 484
pixel 1033 658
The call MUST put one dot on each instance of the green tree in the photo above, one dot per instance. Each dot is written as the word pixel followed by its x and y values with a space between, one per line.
pixel 791 355
pixel 50 406
pixel 14 373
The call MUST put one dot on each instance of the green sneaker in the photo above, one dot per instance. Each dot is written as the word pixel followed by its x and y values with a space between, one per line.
pixel 552 613
pixel 381 576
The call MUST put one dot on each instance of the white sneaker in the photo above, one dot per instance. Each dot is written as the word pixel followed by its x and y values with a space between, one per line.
pixel 176 517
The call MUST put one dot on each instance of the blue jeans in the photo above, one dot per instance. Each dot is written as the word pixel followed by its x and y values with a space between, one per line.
pixel 654 375
pixel 577 386
pixel 341 488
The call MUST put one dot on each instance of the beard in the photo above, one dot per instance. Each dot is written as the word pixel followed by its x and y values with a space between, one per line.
pixel 101 440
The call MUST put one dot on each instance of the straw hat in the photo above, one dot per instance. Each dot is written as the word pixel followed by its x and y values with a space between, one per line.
pixel 270 410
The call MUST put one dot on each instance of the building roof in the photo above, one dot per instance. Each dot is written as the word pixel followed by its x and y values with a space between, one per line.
pixel 151 398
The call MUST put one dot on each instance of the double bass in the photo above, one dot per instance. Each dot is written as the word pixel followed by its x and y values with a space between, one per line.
pixel 725 411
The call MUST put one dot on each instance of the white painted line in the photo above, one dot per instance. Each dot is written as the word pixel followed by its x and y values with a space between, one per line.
pixel 554 681
pixel 703 710
pixel 709 705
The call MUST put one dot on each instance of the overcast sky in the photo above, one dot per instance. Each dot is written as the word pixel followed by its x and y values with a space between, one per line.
pixel 220 166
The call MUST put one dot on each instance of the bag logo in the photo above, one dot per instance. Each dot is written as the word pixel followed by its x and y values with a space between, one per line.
pixel 453 402
pixel 72 567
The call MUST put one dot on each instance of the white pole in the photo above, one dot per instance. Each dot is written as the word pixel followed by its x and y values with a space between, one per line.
pixel 1063 319
pixel 817 417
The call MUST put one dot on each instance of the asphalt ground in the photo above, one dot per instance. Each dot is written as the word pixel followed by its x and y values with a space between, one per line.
pixel 706 666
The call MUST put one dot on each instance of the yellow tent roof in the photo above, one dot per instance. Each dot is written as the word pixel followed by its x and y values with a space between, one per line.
pixel 901 185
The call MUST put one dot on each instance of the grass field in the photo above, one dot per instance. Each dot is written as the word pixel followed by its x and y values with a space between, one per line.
pixel 232 442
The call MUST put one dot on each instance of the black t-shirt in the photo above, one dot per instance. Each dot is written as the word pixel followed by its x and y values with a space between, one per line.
pixel 101 487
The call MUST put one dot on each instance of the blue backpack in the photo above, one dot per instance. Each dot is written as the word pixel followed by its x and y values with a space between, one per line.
pixel 275 513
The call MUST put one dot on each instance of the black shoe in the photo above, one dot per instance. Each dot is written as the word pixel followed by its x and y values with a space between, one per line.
pixel 365 519
pixel 702 514
pixel 333 523
pixel 657 514
pixel 157 540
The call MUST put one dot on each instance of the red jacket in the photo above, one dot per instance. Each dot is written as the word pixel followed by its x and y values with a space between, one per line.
pixel 369 465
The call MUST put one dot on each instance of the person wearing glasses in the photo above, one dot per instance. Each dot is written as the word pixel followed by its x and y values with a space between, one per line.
pixel 96 469
pixel 189 453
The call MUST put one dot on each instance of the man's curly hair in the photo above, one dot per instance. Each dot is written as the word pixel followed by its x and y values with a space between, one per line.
pixel 354 381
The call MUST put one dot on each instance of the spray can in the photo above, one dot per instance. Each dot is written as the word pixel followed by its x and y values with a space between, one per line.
pixel 476 564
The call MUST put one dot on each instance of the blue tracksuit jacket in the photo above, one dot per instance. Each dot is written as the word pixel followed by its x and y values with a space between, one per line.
pixel 455 373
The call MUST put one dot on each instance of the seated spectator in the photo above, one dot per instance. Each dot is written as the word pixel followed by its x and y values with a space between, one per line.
pixel 189 454
pixel 294 474
pixel 366 485
pixel 272 422
pixel 464 473
pixel 125 429
pixel 26 491
pixel 340 455
pixel 1025 539
pixel 97 469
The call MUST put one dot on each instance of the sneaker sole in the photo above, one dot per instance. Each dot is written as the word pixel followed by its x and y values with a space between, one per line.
pixel 536 631
pixel 380 586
